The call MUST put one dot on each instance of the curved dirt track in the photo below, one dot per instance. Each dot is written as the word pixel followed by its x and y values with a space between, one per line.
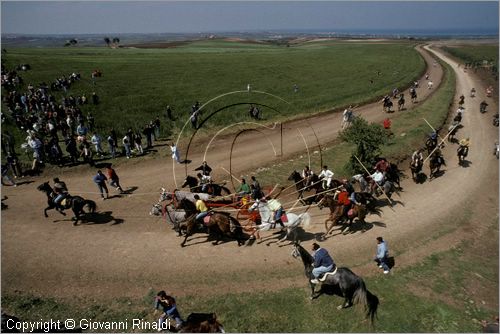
pixel 103 260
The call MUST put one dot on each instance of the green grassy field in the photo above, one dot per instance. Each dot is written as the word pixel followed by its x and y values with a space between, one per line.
pixel 137 84
pixel 475 53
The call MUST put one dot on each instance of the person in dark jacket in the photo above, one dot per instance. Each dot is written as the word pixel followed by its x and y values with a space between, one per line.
pixel 100 179
pixel 323 262
pixel 205 169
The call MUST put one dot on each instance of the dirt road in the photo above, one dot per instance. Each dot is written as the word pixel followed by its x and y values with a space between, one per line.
pixel 101 260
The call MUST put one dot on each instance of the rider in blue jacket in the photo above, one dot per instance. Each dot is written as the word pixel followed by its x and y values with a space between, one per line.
pixel 323 262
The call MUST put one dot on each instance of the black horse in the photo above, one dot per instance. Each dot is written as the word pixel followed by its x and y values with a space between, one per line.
pixel 212 188
pixel 435 163
pixel 300 184
pixel 343 283
pixel 462 152
pixel 76 203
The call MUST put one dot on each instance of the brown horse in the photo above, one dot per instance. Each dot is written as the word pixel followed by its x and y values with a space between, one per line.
pixel 202 323
pixel 220 225
pixel 337 214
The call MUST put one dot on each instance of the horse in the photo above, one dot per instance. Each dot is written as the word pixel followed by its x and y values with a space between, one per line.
pixel 401 102
pixel 343 282
pixel 267 221
pixel 435 163
pixel 392 174
pixel 212 188
pixel 76 203
pixel 357 211
pixel 415 170
pixel 413 95
pixel 301 188
pixel 217 224
pixel 462 152
pixel 202 323
pixel 388 105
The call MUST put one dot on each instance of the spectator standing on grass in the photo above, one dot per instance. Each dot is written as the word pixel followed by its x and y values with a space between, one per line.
pixel 111 144
pixel 96 141
pixel 382 255
pixel 148 133
pixel 113 135
pixel 138 142
pixel 126 145
pixel 100 180
pixel 37 147
pixel 156 127
pixel 169 113
pixel 113 178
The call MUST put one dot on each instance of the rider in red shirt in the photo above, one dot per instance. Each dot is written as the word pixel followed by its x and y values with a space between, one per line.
pixel 343 199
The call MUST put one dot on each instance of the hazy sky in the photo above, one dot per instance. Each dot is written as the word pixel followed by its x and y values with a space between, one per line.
pixel 79 17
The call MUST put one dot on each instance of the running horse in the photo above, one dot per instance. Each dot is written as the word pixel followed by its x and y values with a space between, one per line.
pixel 76 203
pixel 217 224
pixel 388 105
pixel 462 152
pixel 415 170
pixel 435 163
pixel 300 184
pixel 413 95
pixel 343 282
pixel 291 222
pixel 212 188
pixel 401 102
pixel 366 205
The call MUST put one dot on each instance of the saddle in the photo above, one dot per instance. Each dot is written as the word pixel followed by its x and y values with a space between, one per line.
pixel 322 279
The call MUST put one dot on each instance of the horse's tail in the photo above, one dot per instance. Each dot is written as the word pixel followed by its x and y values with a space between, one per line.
pixel 306 218
pixel 90 205
pixel 367 299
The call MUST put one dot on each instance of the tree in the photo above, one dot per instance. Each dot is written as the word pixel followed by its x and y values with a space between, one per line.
pixel 368 138
pixel 107 41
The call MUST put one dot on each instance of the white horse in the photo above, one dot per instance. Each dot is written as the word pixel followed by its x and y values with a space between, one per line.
pixel 267 220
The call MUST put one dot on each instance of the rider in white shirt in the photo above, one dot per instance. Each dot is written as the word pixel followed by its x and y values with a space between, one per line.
pixel 417 157
pixel 327 176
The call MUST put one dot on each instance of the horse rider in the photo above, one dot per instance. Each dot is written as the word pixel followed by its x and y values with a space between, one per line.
pixel 382 165
pixel 417 158
pixel 323 262
pixel 462 99
pixel 256 184
pixel 61 192
pixel 464 144
pixel 343 199
pixel 201 208
pixel 204 180
pixel 169 307
pixel 256 193
pixel 275 206
pixel 327 176
pixel 482 106
pixel 307 174
pixel 363 184
pixel 204 168
pixel 348 186
pixel 377 178
pixel 243 189
pixel 431 141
